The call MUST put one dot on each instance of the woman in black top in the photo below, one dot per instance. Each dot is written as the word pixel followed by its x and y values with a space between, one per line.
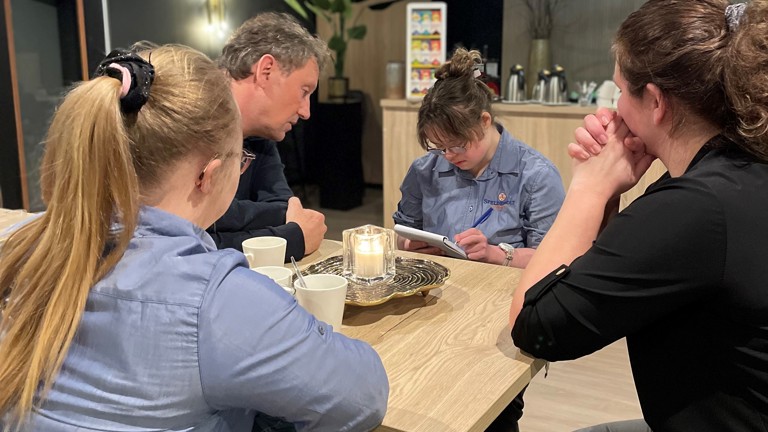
pixel 681 272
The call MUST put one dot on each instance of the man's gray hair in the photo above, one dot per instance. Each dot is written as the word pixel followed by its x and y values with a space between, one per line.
pixel 278 34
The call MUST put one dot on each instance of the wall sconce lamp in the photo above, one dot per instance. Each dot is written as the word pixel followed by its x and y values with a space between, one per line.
pixel 217 22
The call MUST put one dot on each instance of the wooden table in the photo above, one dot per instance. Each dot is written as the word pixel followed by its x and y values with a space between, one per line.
pixel 9 218
pixel 449 356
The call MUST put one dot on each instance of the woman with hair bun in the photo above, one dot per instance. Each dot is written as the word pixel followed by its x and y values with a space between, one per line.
pixel 494 195
pixel 478 185
pixel 680 271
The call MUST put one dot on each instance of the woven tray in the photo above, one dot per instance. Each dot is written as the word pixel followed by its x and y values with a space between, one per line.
pixel 413 276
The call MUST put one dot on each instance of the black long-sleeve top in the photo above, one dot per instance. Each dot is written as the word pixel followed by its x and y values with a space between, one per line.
pixel 683 274
pixel 260 204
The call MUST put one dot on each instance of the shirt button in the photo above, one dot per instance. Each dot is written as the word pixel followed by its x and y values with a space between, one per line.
pixel 321 330
pixel 470 208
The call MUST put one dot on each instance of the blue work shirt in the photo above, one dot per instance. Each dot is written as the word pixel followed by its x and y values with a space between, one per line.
pixel 521 185
pixel 182 337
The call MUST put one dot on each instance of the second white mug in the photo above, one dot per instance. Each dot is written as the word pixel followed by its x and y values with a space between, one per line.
pixel 323 297
pixel 265 251
pixel 283 276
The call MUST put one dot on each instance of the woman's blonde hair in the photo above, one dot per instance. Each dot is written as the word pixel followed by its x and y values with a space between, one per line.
pixel 98 162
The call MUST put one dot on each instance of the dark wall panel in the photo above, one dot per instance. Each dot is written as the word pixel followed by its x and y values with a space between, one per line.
pixel 94 33
pixel 475 25
pixel 179 21
pixel 10 175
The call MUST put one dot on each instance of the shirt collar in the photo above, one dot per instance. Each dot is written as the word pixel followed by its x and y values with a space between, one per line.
pixel 717 142
pixel 506 160
pixel 507 157
pixel 156 222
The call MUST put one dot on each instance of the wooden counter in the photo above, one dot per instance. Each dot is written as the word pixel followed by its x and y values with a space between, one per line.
pixel 548 129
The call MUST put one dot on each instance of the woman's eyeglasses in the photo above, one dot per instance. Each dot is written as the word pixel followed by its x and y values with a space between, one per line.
pixel 455 150
pixel 245 161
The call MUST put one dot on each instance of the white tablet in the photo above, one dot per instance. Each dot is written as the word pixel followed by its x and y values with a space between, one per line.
pixel 450 248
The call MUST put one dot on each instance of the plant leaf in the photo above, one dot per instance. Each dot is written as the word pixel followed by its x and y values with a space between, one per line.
pixel 357 32
pixel 323 4
pixel 337 43
pixel 319 12
pixel 338 6
pixel 347 9
pixel 296 6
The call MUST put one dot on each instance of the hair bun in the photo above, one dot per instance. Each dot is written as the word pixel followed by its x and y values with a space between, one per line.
pixel 462 64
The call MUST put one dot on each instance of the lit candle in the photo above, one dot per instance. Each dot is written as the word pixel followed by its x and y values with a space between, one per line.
pixel 369 256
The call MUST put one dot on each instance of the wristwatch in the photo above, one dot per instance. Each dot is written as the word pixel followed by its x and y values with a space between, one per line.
pixel 509 250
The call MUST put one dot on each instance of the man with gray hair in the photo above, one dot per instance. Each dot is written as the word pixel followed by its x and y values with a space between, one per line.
pixel 274 64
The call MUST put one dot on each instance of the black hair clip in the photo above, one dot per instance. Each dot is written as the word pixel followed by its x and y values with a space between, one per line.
pixel 142 74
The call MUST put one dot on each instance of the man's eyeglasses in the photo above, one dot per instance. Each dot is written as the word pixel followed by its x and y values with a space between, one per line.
pixel 245 161
pixel 455 150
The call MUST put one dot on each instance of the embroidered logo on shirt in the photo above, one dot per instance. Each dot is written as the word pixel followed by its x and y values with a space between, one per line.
pixel 500 203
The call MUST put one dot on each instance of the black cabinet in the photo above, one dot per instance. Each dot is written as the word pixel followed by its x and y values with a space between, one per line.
pixel 336 153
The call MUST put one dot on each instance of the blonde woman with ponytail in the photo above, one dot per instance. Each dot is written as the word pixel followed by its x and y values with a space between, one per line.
pixel 680 272
pixel 119 314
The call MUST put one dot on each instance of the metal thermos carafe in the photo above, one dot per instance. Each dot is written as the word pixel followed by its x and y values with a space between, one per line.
pixel 516 84
pixel 540 90
pixel 557 86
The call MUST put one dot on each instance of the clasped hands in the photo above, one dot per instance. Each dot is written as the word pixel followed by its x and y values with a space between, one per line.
pixel 607 158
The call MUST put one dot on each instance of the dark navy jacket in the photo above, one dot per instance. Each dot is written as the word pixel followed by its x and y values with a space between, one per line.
pixel 260 204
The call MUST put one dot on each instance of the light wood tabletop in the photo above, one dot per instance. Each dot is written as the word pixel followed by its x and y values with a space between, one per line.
pixel 8 218
pixel 449 356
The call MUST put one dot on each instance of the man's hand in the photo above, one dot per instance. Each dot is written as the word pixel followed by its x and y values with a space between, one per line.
pixel 311 222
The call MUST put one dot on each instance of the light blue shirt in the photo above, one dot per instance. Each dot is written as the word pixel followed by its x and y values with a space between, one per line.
pixel 522 186
pixel 182 337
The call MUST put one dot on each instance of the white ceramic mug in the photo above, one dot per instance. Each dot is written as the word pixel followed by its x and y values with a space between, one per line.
pixel 323 297
pixel 283 276
pixel 265 251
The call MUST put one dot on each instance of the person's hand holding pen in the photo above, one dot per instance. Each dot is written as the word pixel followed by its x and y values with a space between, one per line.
pixel 475 244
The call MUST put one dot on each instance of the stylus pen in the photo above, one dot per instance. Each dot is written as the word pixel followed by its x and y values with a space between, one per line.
pixel 484 217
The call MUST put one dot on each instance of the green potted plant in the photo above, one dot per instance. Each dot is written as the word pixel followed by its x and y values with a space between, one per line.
pixel 338 14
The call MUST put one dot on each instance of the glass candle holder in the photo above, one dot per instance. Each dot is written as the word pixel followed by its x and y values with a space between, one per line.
pixel 368 254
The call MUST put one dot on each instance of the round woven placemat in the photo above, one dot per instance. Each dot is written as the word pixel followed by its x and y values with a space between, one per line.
pixel 412 276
